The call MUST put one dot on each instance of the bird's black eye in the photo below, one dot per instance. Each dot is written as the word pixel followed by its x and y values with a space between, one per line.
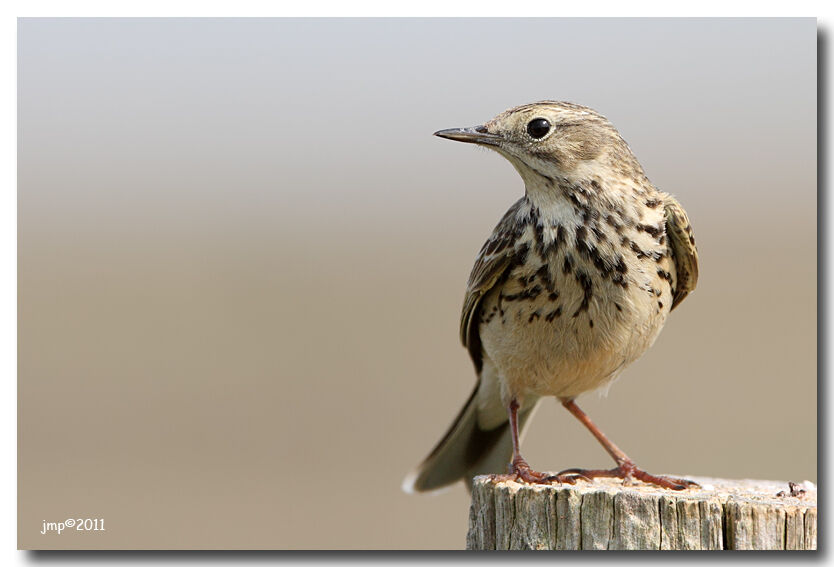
pixel 538 128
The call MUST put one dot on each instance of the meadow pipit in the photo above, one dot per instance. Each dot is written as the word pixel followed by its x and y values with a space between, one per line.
pixel 574 284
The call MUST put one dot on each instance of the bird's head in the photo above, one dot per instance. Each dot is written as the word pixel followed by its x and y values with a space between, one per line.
pixel 553 143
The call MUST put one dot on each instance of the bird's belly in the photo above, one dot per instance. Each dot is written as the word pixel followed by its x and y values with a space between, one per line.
pixel 574 337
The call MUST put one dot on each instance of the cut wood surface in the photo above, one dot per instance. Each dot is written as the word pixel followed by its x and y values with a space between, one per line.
pixel 606 514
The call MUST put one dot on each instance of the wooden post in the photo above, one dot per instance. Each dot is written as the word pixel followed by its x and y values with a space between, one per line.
pixel 605 514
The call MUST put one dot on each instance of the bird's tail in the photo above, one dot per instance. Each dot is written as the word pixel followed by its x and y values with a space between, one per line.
pixel 467 450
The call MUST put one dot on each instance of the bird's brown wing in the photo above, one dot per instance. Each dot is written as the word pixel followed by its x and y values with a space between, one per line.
pixel 498 255
pixel 684 252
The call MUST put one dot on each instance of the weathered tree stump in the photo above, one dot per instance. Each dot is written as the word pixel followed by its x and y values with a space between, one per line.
pixel 605 514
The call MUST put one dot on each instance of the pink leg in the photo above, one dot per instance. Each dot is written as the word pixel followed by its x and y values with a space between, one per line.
pixel 625 469
pixel 521 471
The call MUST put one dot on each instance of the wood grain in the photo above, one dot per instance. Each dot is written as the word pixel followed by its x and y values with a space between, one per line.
pixel 605 514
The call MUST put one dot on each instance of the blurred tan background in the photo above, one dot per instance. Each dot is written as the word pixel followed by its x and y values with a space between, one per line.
pixel 242 258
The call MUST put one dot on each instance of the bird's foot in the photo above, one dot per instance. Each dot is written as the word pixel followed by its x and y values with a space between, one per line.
pixel 628 471
pixel 569 476
pixel 520 471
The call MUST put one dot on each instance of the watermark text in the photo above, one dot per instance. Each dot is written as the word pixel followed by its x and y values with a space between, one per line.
pixel 74 524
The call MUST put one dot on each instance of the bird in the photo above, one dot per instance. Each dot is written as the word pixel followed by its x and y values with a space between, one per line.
pixel 574 284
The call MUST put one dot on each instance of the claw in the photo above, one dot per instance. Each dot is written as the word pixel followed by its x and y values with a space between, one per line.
pixel 520 471
pixel 569 478
pixel 524 473
pixel 628 472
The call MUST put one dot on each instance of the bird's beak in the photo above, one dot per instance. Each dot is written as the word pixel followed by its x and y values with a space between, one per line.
pixel 474 135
